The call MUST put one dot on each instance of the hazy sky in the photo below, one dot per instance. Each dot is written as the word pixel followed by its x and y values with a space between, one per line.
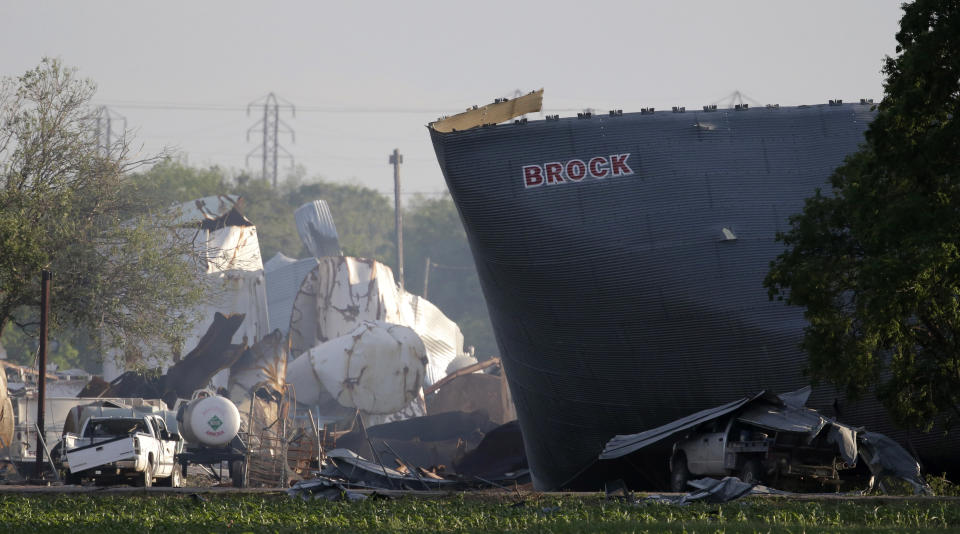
pixel 366 77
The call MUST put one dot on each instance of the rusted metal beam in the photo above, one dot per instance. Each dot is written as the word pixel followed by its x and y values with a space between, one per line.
pixel 460 372
pixel 27 370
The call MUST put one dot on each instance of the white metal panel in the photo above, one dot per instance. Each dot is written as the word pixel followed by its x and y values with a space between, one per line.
pixel 377 367
pixel 231 258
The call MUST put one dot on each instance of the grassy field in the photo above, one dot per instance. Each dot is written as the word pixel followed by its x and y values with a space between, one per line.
pixel 183 514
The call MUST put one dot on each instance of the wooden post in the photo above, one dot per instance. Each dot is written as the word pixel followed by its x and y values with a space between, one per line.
pixel 45 277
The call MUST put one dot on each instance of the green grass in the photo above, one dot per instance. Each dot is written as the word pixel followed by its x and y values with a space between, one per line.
pixel 181 514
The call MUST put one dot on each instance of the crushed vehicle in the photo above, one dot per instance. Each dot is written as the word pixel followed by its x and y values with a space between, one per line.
pixel 731 446
pixel 139 449
pixel 770 438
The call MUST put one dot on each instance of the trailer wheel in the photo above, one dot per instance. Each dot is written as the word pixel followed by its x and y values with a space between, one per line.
pixel 751 471
pixel 236 473
pixel 679 474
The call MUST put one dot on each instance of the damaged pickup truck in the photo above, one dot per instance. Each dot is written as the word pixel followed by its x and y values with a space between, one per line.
pixel 138 449
pixel 774 439
pixel 733 446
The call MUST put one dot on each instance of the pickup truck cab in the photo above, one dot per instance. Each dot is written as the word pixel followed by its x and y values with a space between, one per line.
pixel 729 447
pixel 139 449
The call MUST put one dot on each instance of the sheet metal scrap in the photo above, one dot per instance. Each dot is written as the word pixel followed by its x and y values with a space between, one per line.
pixel 347 467
pixel 317 230
pixel 325 489
pixel 714 491
pixel 227 256
pixel 213 353
pixel 886 458
pixel 500 456
pixel 430 441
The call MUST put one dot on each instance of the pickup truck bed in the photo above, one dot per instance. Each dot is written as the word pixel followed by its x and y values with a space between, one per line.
pixel 100 452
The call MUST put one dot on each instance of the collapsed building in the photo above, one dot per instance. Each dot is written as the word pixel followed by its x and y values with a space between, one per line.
pixel 227 252
pixel 329 335
pixel 326 341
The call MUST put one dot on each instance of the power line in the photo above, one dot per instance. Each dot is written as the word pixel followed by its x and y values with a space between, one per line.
pixel 188 106
pixel 270 149
pixel 103 124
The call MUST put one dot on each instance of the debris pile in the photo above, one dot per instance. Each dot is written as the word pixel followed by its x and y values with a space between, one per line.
pixel 349 348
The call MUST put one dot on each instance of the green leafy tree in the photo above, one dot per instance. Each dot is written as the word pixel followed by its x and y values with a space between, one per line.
pixel 875 262
pixel 432 229
pixel 67 205
pixel 171 182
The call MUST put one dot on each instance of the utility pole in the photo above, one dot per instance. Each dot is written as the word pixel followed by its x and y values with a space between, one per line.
pixel 270 125
pixel 396 159
pixel 42 364
pixel 426 277
pixel 103 123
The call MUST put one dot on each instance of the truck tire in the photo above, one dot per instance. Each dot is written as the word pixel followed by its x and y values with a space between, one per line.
pixel 145 478
pixel 751 471
pixel 175 480
pixel 679 474
pixel 176 477
pixel 72 479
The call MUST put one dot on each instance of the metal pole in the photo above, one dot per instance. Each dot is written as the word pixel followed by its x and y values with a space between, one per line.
pixel 266 137
pixel 396 159
pixel 426 277
pixel 276 152
pixel 106 146
pixel 42 364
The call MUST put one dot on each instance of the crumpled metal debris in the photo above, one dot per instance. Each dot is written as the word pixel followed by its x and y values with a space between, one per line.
pixel 714 491
pixel 324 489
pixel 708 490
pixel 213 353
pixel 886 458
pixel 347 467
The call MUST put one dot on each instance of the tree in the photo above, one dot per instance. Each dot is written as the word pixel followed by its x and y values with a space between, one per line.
pixel 67 205
pixel 433 230
pixel 875 262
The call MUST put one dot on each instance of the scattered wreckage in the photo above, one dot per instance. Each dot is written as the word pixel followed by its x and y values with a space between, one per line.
pixel 350 349
pixel 773 439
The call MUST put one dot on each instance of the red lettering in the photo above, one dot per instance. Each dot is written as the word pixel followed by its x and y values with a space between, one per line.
pixel 618 165
pixel 554 173
pixel 576 170
pixel 595 169
pixel 532 175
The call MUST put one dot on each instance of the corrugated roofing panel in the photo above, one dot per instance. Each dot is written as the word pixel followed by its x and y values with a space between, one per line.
pixel 317 230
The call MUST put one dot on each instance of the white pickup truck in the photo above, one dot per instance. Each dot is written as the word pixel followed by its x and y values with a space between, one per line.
pixel 139 448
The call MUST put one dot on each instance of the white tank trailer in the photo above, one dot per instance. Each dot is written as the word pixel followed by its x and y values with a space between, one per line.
pixel 211 421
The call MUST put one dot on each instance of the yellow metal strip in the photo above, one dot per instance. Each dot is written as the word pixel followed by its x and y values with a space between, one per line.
pixel 491 113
